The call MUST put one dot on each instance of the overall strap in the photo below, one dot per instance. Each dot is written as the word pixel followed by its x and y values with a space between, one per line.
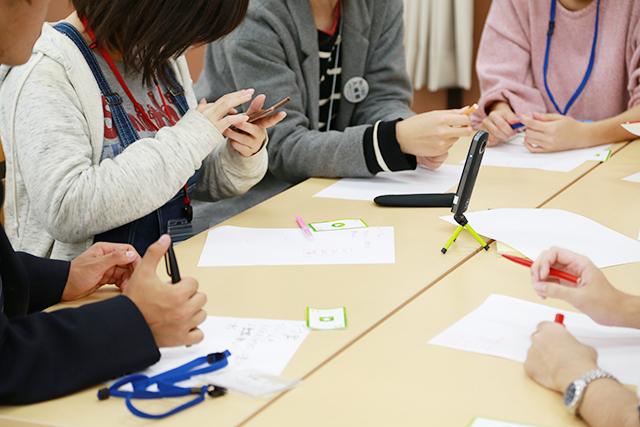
pixel 127 133
pixel 176 91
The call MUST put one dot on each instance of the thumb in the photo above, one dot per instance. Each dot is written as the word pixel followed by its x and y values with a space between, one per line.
pixel 154 254
pixel 558 291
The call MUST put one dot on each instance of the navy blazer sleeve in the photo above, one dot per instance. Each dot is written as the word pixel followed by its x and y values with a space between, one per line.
pixel 48 355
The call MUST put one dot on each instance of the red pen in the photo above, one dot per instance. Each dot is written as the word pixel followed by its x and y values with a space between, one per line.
pixel 559 318
pixel 552 272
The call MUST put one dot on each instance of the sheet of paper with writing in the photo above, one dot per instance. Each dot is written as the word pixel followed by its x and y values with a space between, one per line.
pixel 239 246
pixel 502 326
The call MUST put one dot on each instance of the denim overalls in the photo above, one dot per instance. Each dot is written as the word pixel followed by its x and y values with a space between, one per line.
pixel 144 231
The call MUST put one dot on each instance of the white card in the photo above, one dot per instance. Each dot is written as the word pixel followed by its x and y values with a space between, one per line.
pixel 327 319
pixel 338 224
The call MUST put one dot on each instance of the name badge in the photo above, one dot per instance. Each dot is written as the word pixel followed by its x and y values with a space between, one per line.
pixel 356 90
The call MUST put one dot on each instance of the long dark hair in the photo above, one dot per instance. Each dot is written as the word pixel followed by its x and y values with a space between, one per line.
pixel 148 33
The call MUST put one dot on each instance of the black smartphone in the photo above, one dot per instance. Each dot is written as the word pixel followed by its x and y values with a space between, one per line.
pixel 470 173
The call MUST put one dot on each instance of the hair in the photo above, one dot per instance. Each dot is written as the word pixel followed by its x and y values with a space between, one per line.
pixel 149 33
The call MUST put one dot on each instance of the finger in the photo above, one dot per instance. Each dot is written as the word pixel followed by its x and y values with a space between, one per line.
pixel 534 148
pixel 186 288
pixel 271 120
pixel 202 101
pixel 197 319
pixel 232 100
pixel 504 126
pixel 154 254
pixel 256 104
pixel 495 133
pixel 233 120
pixel 533 124
pixel 194 337
pixel 455 119
pixel 545 117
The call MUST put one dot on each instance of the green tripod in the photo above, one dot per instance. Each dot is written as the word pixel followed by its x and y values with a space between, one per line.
pixel 463 223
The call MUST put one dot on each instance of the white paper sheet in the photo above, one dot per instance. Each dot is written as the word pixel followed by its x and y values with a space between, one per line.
pixel 532 231
pixel 422 180
pixel 489 422
pixel 633 178
pixel 502 326
pixel 634 128
pixel 513 154
pixel 238 246
pixel 263 345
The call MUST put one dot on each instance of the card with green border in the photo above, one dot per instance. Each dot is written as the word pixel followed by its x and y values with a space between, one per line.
pixel 327 319
pixel 338 224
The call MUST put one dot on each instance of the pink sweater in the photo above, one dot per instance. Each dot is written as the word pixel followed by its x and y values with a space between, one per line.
pixel 512 50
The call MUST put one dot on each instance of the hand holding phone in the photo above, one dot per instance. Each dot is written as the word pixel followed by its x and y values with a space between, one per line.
pixel 261 114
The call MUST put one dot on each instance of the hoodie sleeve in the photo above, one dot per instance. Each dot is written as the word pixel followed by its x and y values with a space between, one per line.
pixel 54 157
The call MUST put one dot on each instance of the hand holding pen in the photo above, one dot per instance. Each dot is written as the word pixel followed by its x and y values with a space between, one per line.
pixel 591 293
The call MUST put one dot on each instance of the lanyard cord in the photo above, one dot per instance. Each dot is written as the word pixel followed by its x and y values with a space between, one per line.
pixel 335 68
pixel 166 387
pixel 136 105
pixel 552 24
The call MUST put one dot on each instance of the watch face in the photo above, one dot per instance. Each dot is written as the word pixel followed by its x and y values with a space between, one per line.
pixel 572 395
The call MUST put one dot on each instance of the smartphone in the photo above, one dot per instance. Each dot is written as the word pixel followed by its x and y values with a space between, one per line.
pixel 261 114
pixel 470 173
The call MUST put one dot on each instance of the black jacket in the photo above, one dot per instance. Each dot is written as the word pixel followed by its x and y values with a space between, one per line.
pixel 47 355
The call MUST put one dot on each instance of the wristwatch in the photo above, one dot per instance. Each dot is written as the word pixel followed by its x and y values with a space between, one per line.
pixel 574 395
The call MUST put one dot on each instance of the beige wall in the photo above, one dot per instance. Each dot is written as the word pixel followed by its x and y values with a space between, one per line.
pixel 423 99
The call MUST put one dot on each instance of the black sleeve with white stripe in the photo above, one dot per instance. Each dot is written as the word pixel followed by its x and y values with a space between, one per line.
pixel 382 151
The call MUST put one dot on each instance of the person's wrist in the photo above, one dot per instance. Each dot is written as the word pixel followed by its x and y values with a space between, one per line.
pixel 628 312
pixel 401 129
pixel 498 106
pixel 571 371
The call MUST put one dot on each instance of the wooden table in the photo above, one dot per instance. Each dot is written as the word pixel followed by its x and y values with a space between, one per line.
pixel 373 294
pixel 391 376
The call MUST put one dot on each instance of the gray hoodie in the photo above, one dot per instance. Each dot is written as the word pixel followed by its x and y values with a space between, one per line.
pixel 59 195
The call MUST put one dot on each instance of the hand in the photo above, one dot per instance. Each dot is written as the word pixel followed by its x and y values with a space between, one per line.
pixel 255 135
pixel 592 295
pixel 498 123
pixel 555 358
pixel 433 162
pixel 432 134
pixel 547 133
pixel 222 113
pixel 101 264
pixel 173 312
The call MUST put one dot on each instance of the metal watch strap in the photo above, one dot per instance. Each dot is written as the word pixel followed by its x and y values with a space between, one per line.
pixel 579 386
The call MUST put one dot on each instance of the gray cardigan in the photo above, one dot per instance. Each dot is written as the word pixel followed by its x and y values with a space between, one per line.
pixel 275 51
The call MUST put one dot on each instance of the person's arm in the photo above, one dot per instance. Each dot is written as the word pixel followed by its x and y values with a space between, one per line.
pixel 592 295
pixel 296 152
pixel 233 168
pixel 555 359
pixel 504 71
pixel 554 132
pixel 77 198
pixel 48 355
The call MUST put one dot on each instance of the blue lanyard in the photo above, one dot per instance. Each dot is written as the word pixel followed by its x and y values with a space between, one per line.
pixel 166 387
pixel 552 24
